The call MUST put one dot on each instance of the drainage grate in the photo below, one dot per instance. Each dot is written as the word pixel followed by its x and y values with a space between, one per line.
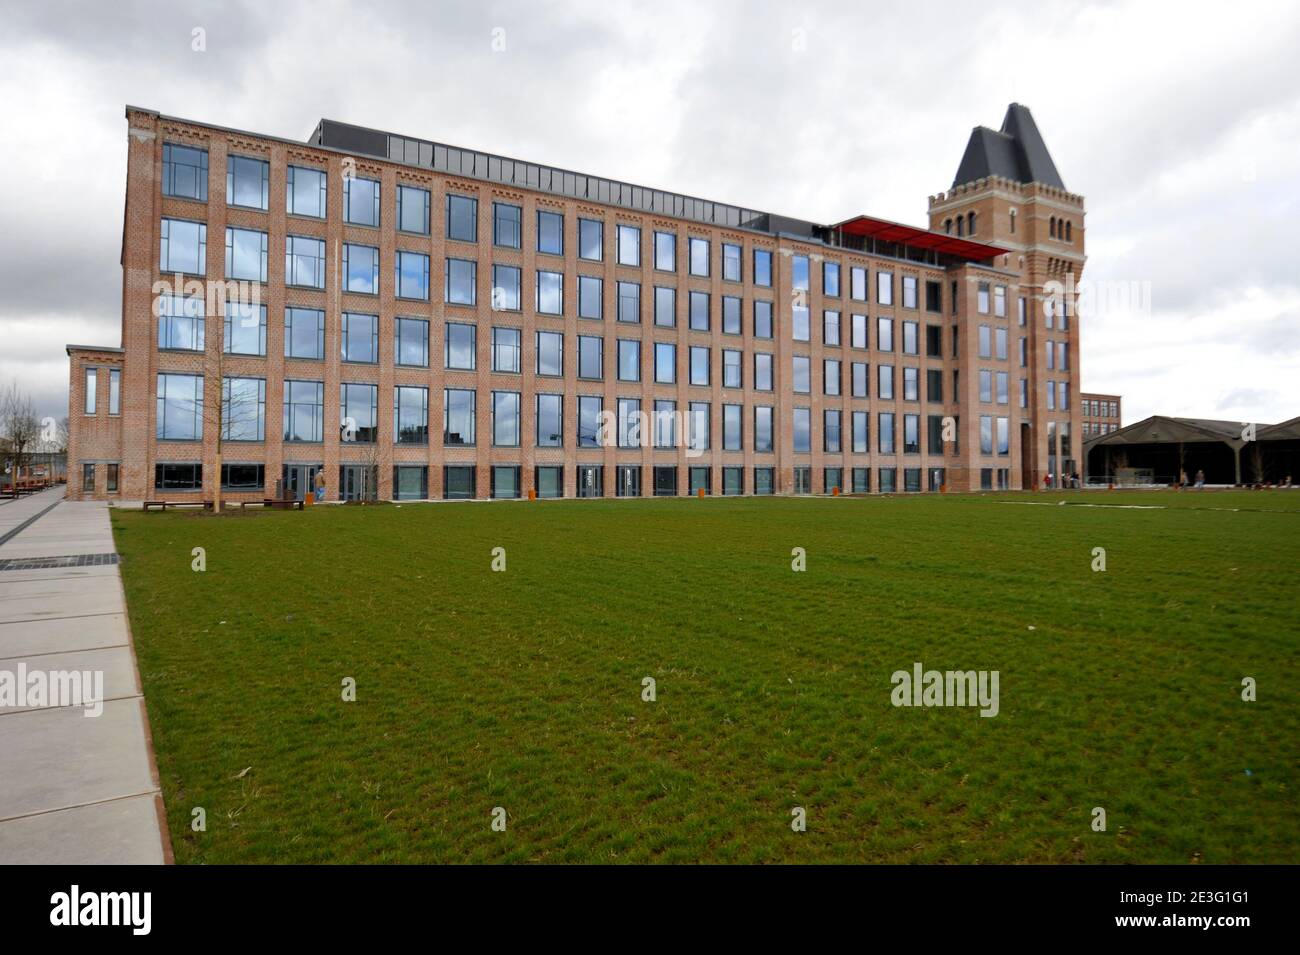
pixel 72 560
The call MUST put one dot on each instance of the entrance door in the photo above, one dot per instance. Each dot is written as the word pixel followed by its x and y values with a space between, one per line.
pixel 1026 459
pixel 356 482
pixel 299 479
pixel 87 480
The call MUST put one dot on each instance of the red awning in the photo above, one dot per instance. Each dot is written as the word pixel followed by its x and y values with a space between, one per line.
pixel 888 231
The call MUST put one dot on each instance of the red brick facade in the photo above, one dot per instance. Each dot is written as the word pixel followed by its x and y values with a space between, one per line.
pixel 128 438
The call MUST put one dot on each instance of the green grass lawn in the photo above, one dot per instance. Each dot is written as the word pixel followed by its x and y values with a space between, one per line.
pixel 523 689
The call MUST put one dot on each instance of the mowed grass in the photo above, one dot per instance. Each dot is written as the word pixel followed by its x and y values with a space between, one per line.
pixel 523 689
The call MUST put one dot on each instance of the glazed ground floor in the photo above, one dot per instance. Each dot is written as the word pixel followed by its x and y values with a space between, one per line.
pixel 243 478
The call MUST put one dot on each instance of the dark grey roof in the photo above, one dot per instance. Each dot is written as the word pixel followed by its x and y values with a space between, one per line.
pixel 1016 152
pixel 1283 431
pixel 1159 429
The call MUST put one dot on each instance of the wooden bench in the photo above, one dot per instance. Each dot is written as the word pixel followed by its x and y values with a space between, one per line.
pixel 291 503
pixel 163 505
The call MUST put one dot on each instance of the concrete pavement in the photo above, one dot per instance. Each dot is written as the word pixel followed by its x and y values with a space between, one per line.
pixel 74 789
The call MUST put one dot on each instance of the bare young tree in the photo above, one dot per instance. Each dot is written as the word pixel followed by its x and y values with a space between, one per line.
pixel 19 427
pixel 238 415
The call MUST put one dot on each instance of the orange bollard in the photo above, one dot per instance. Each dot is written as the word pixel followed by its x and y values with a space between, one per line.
pixel 699 492
pixel 835 492
pixel 532 494
pixel 309 499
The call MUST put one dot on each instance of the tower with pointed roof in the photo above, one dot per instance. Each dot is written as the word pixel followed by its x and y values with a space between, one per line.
pixel 1008 192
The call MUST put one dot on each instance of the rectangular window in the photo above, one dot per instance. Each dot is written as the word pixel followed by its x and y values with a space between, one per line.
pixel 859 373
pixel 884 334
pixel 831 327
pixel 410 483
pixel 550 232
pixel 304 333
pixel 591 240
pixel 911 434
pixel 885 382
pixel 111 476
pixel 1024 392
pixel 181 322
pixel 665 424
pixel 629 302
pixel 934 385
pixel 629 422
pixel 550 421
pixel 550 354
pixel 699 365
pixel 932 293
pixel 764 480
pixel 731 259
pixel 665 306
pixel 245 329
pixel 730 315
pixel 909 291
pixel 911 345
pixel 862 480
pixel 360 201
pixel 304 411
pixel 701 414
pixel 549 481
pixel 506 350
pixel 699 256
pixel 985 342
pixel 459 482
pixel 885 432
pixel 591 357
pixel 360 269
pixel 629 245
pixel 762 371
pixel 665 363
pixel 763 428
pixel 505 481
pixel 171 477
pixel 411 415
pixel 550 293
pixel 986 385
pixel 115 391
pixel 731 428
pixel 629 359
pixel 591 297
pixel 885 288
pixel 304 261
pixel 861 437
pixel 458 416
pixel 732 376
pixel 699 311
pixel 831 279
pixel 459 346
pixel 1000 344
pixel 628 478
pixel 763 268
pixel 245 254
pixel 859 339
pixel 911 384
pixel 507 225
pixel 933 341
pixel 831 431
pixel 799 272
pixel 360 338
pixel 858 284
pixel 505 419
pixel 506 282
pixel 411 275
pixel 986 434
pixel 179 412
pixel 831 377
pixel 1004 435
pixel 699 479
pixel 1001 381
pixel 358 412
pixel 461 281
pixel 589 409
pixel 833 480
pixel 92 386
pixel 800 325
pixel 1000 301
pixel 462 218
pixel 411 347
pixel 801 374
pixel 982 301
pixel 247 182
pixel 762 319
pixel 934 435
pixel 185 172
pixel 413 210
pixel 665 252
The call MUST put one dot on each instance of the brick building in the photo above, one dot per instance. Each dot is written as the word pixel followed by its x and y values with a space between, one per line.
pixel 329 304
pixel 1100 414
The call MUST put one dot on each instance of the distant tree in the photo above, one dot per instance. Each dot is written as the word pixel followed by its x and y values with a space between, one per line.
pixel 19 426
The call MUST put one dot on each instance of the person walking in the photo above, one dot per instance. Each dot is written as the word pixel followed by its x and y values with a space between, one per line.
pixel 320 485
pixel 1200 480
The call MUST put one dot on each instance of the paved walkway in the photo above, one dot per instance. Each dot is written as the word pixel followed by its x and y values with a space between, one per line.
pixel 74 789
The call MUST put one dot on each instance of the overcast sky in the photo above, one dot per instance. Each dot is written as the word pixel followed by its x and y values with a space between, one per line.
pixel 1179 123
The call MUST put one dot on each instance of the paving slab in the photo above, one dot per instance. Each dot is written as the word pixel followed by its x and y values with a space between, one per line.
pixel 118 832
pixel 114 665
pixel 62 634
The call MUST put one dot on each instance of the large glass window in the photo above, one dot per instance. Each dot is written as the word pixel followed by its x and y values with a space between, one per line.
pixel 304 193
pixel 242 477
pixel 550 293
pixel 801 378
pixel 762 319
pixel 861 437
pixel 304 410
pixel 699 413
pixel 730 315
pixel 858 284
pixel 885 382
pixel 114 391
pixel 832 377
pixel 184 247
pixel 802 430
pixel 731 428
pixel 360 201
pixel 459 350
pixel 505 419
pixel 629 422
pixel 506 281
pixel 885 288
pixel 629 359
pixel 731 262
pixel 505 481
pixel 911 384
pixel 181 322
pixel 506 350
pixel 799 272
pixel 549 481
pixel 179 414
pixel 459 481
pixel 699 252
pixel 665 306
pixel 411 275
pixel 247 182
pixel 909 291
pixel 665 424
pixel 589 409
pixel 800 326
pixel 665 363
pixel 732 373
pixel 458 416
pixel 245 329
pixel 412 342
pixel 629 245
pixel 858 372
pixel 763 428
pixel 699 365
pixel 699 311
pixel 413 210
pixel 411 415
pixel 591 239
pixel 591 297
pixel 550 354
pixel 462 218
pixel 762 371
pixel 172 477
pixel 550 232
pixel 550 421
pixel 885 433
pixel 358 412
pixel 360 269
pixel 410 483
pixel 591 357
pixel 92 383
pixel 884 334
pixel 245 254
pixel 629 302
pixel 185 172
pixel 304 333
pixel 304 261
pixel 831 327
pixel 360 338
pixel 911 434
pixel 665 251
pixel 243 409
pixel 462 277
pixel 763 268
pixel 507 228
pixel 831 279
